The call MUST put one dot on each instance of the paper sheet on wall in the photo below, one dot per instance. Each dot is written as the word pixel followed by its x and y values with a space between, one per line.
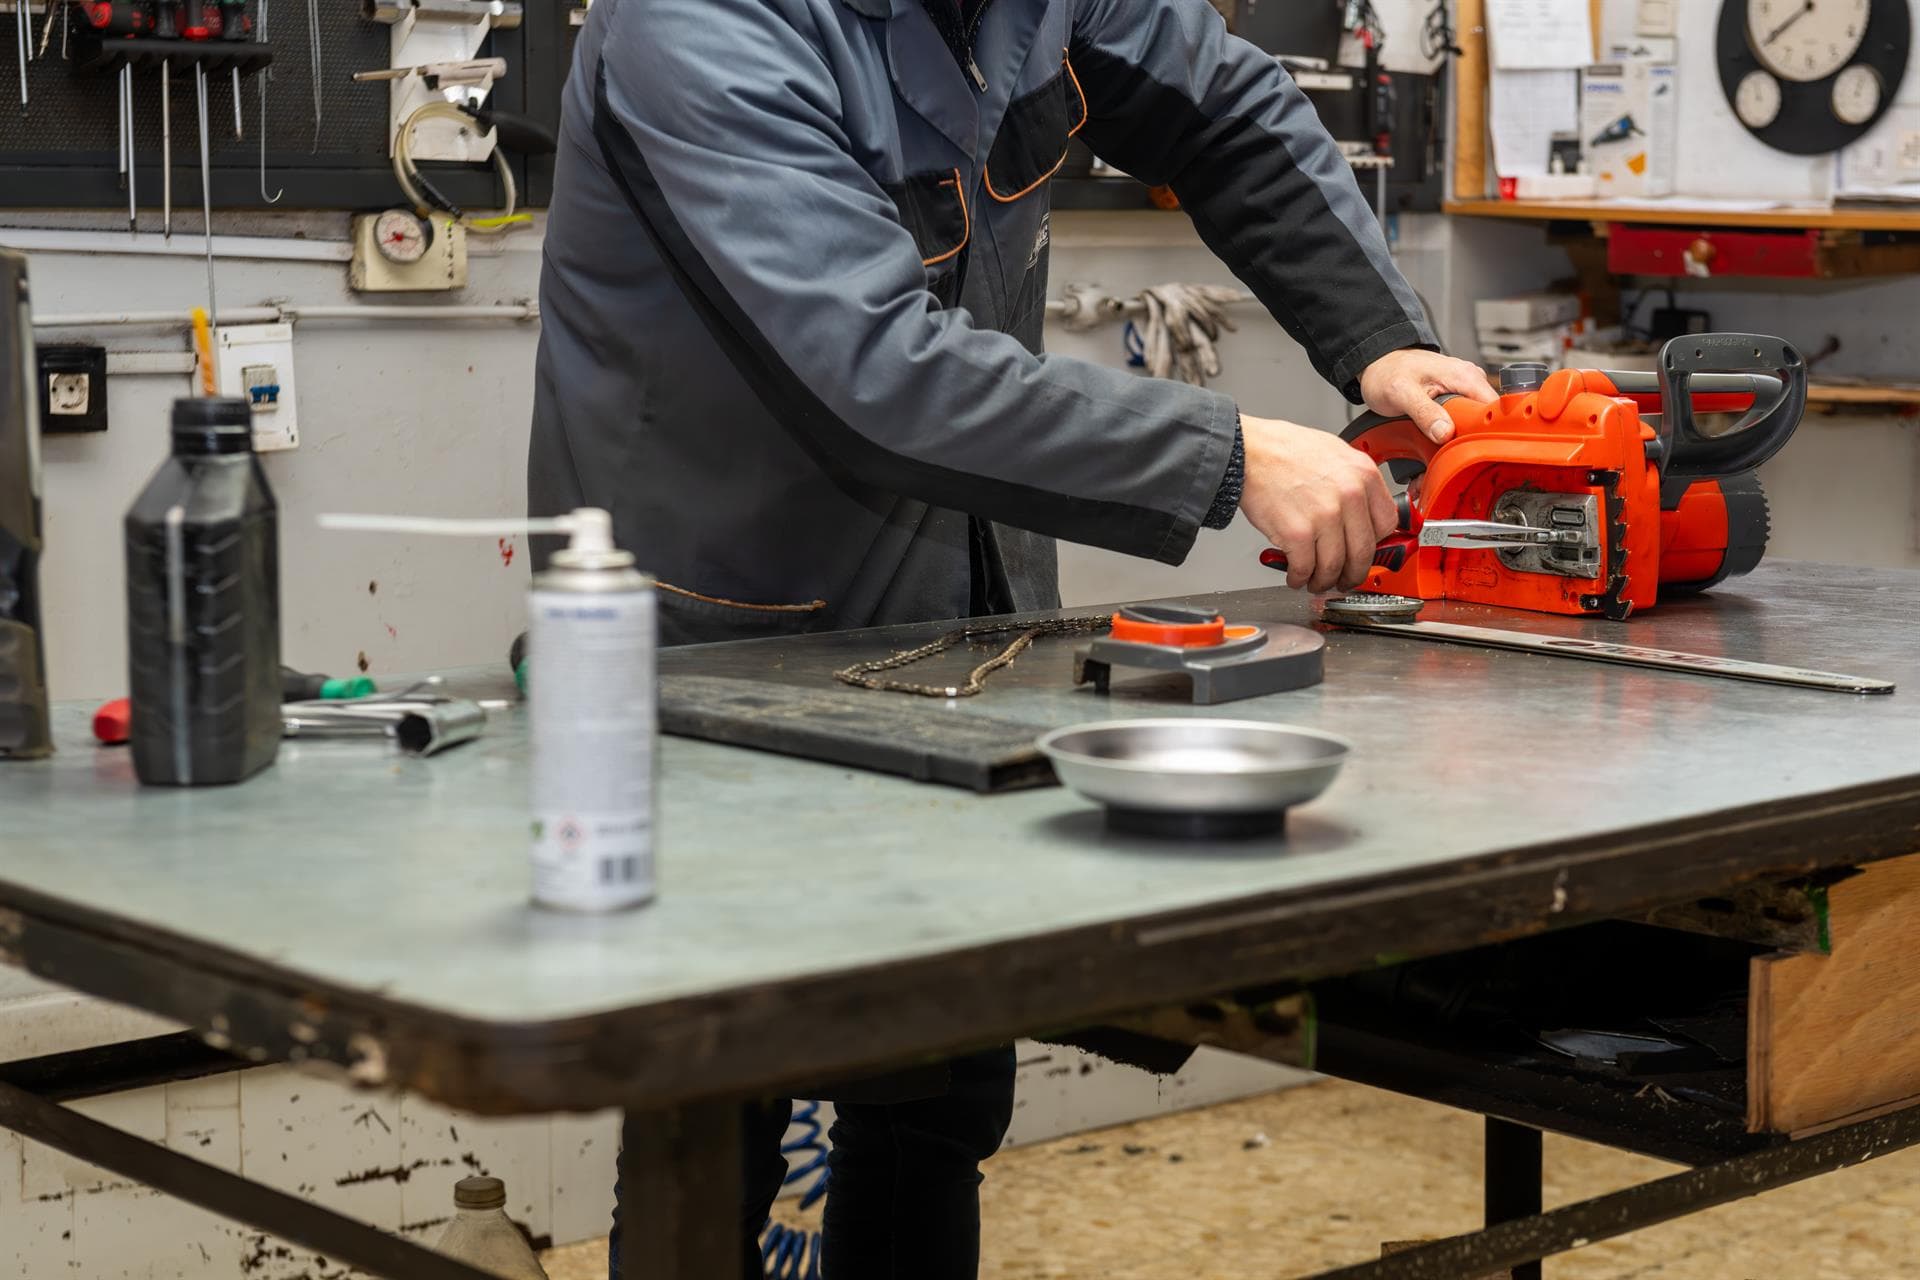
pixel 1885 164
pixel 1524 110
pixel 1533 35
pixel 1619 22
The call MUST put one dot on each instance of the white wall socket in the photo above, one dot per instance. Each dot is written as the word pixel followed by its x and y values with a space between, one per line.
pixel 256 364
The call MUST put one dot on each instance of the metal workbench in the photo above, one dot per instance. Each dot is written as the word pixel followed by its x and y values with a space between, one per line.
pixel 353 906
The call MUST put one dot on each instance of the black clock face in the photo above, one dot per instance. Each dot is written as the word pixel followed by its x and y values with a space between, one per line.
pixel 1810 76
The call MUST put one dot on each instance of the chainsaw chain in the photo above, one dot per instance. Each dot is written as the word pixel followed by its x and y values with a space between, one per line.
pixel 865 675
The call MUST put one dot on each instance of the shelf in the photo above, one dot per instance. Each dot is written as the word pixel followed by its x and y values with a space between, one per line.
pixel 1844 217
pixel 1839 396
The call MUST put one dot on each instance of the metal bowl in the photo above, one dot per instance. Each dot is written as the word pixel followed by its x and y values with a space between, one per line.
pixel 1196 776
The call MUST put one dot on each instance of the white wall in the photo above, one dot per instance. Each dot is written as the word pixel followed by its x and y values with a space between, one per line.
pixel 429 418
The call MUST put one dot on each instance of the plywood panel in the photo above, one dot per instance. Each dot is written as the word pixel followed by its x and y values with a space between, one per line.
pixel 1837 1037
pixel 1470 167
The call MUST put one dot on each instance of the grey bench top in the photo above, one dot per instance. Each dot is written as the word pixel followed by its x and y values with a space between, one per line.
pixel 351 871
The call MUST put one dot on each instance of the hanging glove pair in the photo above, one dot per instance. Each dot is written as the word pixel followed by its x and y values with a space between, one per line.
pixel 1181 324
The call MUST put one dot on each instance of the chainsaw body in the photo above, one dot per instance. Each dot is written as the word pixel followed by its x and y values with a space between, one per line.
pixel 1616 456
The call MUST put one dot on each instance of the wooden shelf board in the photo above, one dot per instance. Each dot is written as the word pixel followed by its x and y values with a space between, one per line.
pixel 1859 393
pixel 1844 217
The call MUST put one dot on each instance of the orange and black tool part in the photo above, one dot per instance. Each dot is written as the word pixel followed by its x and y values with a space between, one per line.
pixel 1674 506
pixel 1176 626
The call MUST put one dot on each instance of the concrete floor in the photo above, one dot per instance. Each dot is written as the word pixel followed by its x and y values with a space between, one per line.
pixel 1291 1183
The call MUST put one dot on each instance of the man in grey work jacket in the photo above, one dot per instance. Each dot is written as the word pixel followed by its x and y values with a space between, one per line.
pixel 795 280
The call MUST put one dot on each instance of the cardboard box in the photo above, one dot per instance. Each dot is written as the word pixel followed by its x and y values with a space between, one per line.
pixel 1525 311
pixel 1628 118
pixel 1598 353
pixel 1546 345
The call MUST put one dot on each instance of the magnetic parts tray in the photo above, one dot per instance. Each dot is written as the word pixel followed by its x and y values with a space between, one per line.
pixel 1195 777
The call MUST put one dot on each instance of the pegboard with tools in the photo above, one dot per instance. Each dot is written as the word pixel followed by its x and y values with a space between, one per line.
pixel 289 127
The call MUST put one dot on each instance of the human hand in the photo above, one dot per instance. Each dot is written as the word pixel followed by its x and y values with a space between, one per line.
pixel 1317 498
pixel 1404 384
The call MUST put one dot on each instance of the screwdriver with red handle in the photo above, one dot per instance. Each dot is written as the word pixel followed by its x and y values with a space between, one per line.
pixel 1472 535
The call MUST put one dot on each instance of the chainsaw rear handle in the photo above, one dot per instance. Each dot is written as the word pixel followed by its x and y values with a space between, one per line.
pixel 1778 378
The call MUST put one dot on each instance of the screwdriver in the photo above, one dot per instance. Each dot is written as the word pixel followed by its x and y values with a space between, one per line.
pixel 233 26
pixel 23 43
pixel 197 21
pixel 123 19
pixel 166 28
pixel 302 686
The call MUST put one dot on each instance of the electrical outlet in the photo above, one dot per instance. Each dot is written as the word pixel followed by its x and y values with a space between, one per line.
pixel 69 395
pixel 73 389
pixel 256 365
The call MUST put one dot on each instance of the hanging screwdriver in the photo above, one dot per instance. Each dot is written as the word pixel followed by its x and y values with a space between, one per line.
pixel 196 23
pixel 23 44
pixel 123 20
pixel 166 26
pixel 234 27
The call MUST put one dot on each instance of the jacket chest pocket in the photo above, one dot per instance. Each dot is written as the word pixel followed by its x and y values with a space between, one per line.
pixel 933 208
pixel 1031 144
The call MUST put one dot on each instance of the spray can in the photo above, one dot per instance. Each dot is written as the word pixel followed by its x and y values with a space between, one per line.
pixel 592 632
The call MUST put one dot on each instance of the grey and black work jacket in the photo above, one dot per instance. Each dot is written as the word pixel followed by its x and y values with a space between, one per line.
pixel 795 278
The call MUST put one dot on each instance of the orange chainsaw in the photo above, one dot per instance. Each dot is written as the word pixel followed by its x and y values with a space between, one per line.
pixel 1587 492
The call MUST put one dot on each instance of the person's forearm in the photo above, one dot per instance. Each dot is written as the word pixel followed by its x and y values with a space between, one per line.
pixel 1172 98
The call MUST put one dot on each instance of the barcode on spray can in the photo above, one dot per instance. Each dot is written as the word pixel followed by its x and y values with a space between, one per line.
pixel 590 694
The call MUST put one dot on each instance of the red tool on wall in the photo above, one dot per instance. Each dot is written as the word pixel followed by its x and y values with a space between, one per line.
pixel 1607 480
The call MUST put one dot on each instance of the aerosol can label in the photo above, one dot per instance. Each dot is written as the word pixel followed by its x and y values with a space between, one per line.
pixel 590 692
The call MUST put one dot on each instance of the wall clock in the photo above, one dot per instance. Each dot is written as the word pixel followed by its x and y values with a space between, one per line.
pixel 1810 76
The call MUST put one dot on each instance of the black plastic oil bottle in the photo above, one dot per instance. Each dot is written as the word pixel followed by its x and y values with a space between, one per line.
pixel 203 605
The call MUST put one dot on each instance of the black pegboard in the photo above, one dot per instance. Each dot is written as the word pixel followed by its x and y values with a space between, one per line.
pixel 64 151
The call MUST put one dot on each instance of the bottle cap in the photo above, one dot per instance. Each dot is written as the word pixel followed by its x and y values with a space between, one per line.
pixel 212 424
pixel 479 1193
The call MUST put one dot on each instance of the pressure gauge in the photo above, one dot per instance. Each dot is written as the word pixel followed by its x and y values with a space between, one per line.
pixel 1856 94
pixel 1757 101
pixel 1806 39
pixel 400 237
pixel 1810 76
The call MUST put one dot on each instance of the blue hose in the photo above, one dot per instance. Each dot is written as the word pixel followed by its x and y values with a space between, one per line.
pixel 791 1253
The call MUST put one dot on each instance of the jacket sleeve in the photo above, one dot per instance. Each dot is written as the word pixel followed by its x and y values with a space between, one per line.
pixel 721 121
pixel 1176 101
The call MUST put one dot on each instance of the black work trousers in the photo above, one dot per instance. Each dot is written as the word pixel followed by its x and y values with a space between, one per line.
pixel 903 1202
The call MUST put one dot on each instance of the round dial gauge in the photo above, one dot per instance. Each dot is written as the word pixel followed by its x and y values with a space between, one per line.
pixel 400 236
pixel 1806 39
pixel 1757 100
pixel 1856 94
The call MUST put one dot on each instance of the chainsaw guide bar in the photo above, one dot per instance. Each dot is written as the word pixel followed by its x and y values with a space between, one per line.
pixel 1392 615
